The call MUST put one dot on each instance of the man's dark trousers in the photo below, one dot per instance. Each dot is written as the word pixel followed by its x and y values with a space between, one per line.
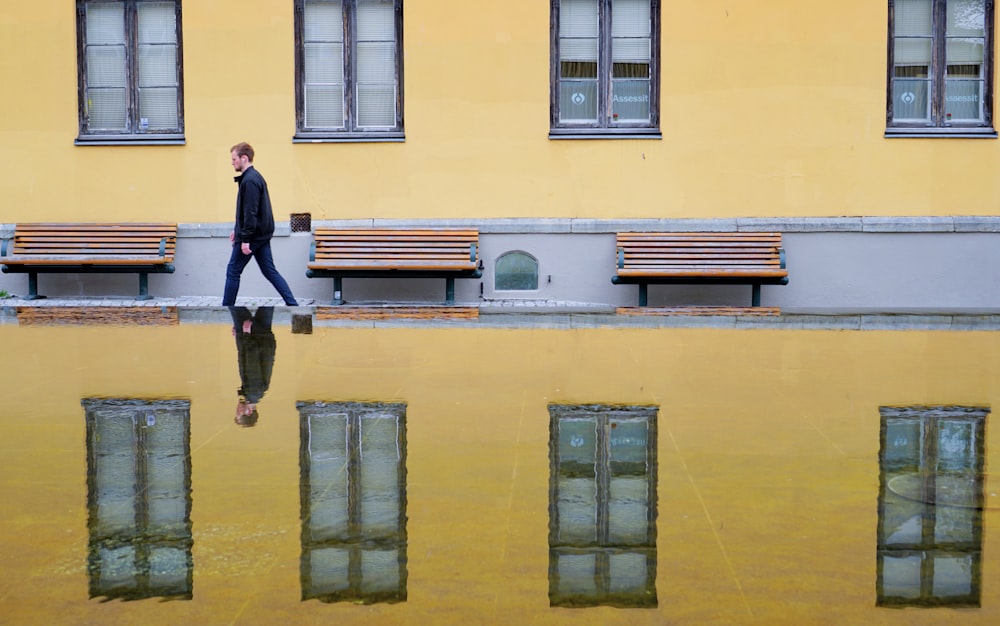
pixel 237 261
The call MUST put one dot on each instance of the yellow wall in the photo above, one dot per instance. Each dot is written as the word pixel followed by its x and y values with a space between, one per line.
pixel 768 109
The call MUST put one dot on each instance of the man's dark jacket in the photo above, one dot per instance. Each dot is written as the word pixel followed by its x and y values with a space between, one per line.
pixel 254 219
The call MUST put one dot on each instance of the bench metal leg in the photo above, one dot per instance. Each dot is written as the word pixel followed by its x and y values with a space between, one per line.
pixel 643 294
pixel 449 290
pixel 338 290
pixel 33 287
pixel 755 298
pixel 144 287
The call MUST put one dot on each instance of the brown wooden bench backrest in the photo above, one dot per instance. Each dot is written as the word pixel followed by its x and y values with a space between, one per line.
pixel 376 249
pixel 700 254
pixel 95 242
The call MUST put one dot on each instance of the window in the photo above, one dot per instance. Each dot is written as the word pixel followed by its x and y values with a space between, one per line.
pixel 139 498
pixel 602 506
pixel 516 271
pixel 348 70
pixel 353 491
pixel 129 67
pixel 940 68
pixel 605 67
pixel 930 521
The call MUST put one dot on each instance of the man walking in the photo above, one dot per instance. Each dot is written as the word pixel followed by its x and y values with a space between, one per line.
pixel 251 236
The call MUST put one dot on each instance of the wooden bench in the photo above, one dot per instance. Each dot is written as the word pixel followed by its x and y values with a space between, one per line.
pixel 384 253
pixel 140 248
pixel 715 258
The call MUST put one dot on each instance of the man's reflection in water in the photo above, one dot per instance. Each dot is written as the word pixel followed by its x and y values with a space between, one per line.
pixel 255 346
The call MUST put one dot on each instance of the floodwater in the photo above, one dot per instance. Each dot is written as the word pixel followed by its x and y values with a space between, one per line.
pixel 468 472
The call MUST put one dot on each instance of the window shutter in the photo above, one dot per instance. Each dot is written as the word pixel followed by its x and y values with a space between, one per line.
pixel 630 31
pixel 913 18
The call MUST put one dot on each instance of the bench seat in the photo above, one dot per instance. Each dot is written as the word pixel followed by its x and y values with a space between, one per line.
pixel 90 247
pixel 386 253
pixel 737 258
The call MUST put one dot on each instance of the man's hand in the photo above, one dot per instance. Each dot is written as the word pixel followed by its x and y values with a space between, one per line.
pixel 245 247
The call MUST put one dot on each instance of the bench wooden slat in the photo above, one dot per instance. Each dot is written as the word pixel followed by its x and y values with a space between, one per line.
pixel 734 257
pixel 424 252
pixel 91 247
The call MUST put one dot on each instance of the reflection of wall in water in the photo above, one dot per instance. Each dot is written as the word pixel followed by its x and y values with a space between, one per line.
pixel 139 498
pixel 602 506
pixel 353 493
pixel 930 523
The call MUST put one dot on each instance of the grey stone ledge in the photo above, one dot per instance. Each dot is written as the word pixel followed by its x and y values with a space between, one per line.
pixel 869 224
pixel 977 224
pixel 908 224
pixel 799 224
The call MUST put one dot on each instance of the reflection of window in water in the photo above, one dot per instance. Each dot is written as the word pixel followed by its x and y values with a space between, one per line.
pixel 139 498
pixel 353 491
pixel 930 534
pixel 602 506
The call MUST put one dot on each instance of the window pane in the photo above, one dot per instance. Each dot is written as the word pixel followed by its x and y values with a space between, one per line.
pixel 376 62
pixel 379 479
pixel 105 66
pixel 910 100
pixel 157 22
pixel 628 510
pixel 376 105
pixel 158 108
pixel 630 100
pixel 952 576
pixel 376 20
pixel 627 573
pixel 324 106
pixel 578 101
pixel 578 30
pixel 106 109
pixel 577 445
pixel 324 63
pixel 913 17
pixel 578 18
pixel 966 18
pixel 630 18
pixel 956 446
pixel 328 488
pixel 105 23
pixel 329 570
pixel 577 507
pixel 323 20
pixel 576 574
pixel 157 66
pixel 901 577
pixel 516 271
pixel 379 571
pixel 903 443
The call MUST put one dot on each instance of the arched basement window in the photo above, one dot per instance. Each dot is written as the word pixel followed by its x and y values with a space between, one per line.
pixel 516 271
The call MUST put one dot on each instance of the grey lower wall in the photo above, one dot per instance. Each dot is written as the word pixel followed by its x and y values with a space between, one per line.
pixel 840 263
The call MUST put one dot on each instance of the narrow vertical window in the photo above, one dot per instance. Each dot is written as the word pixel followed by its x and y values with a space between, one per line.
pixel 129 70
pixel 139 498
pixel 602 506
pixel 930 522
pixel 605 67
pixel 353 490
pixel 348 68
pixel 940 69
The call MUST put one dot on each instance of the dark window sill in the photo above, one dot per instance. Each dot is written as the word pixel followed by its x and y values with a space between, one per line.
pixel 130 140
pixel 386 137
pixel 610 133
pixel 950 132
